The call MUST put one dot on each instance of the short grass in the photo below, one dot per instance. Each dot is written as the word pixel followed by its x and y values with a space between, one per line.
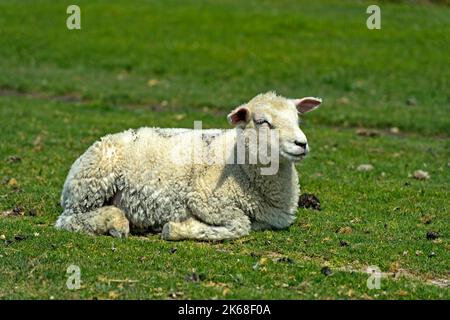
pixel 169 63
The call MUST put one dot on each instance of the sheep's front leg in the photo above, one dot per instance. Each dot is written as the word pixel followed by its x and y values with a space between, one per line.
pixel 105 220
pixel 196 230
pixel 274 219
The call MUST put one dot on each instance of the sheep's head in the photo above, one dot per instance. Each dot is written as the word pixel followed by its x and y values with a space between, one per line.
pixel 267 112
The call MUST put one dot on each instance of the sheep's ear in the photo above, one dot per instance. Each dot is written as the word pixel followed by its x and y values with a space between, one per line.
pixel 239 117
pixel 307 104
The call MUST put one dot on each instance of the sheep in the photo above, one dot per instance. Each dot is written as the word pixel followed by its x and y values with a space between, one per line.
pixel 129 181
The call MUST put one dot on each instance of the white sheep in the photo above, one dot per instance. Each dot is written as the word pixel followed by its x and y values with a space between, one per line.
pixel 129 180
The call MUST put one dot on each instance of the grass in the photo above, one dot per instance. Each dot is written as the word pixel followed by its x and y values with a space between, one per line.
pixel 170 63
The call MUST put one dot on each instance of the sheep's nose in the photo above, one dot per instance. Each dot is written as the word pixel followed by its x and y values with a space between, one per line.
pixel 301 144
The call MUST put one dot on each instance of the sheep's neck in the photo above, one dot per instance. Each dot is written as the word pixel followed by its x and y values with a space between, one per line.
pixel 277 189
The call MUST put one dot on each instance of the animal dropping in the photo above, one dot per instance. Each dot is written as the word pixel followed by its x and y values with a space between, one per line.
pixel 309 200
pixel 365 167
pixel 421 175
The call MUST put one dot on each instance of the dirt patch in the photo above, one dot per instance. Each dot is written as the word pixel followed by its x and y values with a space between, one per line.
pixel 13 159
pixel 399 273
pixel 443 283
pixel 15 212
pixel 362 132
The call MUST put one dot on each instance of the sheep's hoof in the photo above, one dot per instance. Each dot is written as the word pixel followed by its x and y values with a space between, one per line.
pixel 167 232
pixel 118 234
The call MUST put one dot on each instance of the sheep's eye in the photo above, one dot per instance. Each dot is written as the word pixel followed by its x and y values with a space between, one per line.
pixel 262 121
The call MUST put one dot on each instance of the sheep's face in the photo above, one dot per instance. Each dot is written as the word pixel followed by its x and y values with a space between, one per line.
pixel 267 112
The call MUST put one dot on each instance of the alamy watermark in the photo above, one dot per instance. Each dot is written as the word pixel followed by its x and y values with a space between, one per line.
pixel 375 275
pixel 374 20
pixel 73 22
pixel 241 146
pixel 74 277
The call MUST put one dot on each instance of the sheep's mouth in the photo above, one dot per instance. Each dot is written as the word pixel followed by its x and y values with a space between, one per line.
pixel 293 156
